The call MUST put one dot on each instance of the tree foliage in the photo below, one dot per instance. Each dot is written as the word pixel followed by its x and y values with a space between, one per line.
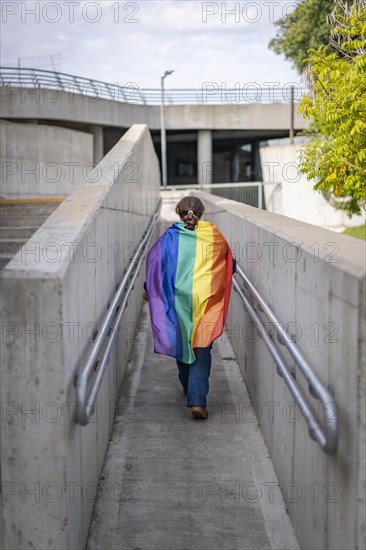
pixel 335 156
pixel 303 28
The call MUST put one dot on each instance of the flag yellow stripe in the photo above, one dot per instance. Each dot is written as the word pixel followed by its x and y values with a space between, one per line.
pixel 202 277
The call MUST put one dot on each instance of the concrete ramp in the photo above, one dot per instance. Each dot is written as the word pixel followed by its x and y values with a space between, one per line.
pixel 170 481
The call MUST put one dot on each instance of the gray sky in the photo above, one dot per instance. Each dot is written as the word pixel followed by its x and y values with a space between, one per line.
pixel 136 41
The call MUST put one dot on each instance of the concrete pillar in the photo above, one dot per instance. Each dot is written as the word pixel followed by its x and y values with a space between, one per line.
pixel 98 143
pixel 204 156
pixel 256 161
pixel 235 165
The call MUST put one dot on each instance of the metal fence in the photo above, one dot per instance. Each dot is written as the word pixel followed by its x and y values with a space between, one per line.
pixel 246 192
pixel 209 93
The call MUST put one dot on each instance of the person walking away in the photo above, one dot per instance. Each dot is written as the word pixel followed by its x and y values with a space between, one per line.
pixel 188 283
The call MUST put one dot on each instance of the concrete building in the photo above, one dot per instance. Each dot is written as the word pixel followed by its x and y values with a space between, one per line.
pixel 205 143
pixel 218 140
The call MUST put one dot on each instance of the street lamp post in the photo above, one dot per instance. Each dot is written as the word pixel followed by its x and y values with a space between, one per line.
pixel 163 132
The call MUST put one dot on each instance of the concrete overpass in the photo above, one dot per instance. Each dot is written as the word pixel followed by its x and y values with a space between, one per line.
pixel 221 130
pixel 23 104
pixel 97 448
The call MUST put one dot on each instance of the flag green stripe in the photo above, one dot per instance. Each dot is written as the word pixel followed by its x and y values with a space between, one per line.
pixel 183 287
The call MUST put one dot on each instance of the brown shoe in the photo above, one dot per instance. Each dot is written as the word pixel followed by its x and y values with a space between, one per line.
pixel 199 412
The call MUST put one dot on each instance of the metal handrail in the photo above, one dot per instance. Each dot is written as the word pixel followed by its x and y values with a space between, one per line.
pixel 327 438
pixel 198 186
pixel 94 369
pixel 38 78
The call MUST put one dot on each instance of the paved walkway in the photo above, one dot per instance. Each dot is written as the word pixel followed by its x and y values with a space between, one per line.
pixel 170 482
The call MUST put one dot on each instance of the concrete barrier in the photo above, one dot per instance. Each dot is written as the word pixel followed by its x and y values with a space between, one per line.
pixel 55 291
pixel 290 193
pixel 42 161
pixel 314 280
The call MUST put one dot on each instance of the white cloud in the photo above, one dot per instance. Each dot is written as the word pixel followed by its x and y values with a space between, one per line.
pixel 168 34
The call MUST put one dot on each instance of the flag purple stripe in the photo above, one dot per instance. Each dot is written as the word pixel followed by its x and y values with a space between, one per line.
pixel 154 283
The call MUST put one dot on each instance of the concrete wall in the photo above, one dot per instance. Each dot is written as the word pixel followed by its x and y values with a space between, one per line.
pixel 319 288
pixel 59 286
pixel 42 161
pixel 58 105
pixel 290 193
pixel 258 116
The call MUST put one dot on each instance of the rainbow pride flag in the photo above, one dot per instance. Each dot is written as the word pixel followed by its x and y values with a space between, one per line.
pixel 188 280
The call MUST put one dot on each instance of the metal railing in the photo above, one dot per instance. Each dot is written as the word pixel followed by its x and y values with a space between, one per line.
pixel 249 192
pixel 327 437
pixel 88 382
pixel 246 192
pixel 209 93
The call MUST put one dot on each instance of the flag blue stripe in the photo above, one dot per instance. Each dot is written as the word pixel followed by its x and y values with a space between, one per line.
pixel 169 259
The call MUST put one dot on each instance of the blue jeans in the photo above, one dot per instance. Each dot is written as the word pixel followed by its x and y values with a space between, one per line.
pixel 194 377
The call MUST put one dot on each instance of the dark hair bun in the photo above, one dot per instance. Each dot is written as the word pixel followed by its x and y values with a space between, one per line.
pixel 190 220
pixel 190 209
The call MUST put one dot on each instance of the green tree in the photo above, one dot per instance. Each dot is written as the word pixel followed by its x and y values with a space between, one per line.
pixel 303 28
pixel 335 156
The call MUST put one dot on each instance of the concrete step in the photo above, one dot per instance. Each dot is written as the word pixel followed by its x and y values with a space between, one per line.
pixel 26 213
pixel 19 219
pixel 31 220
pixel 11 246
pixel 28 209
pixel 4 259
pixel 16 232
